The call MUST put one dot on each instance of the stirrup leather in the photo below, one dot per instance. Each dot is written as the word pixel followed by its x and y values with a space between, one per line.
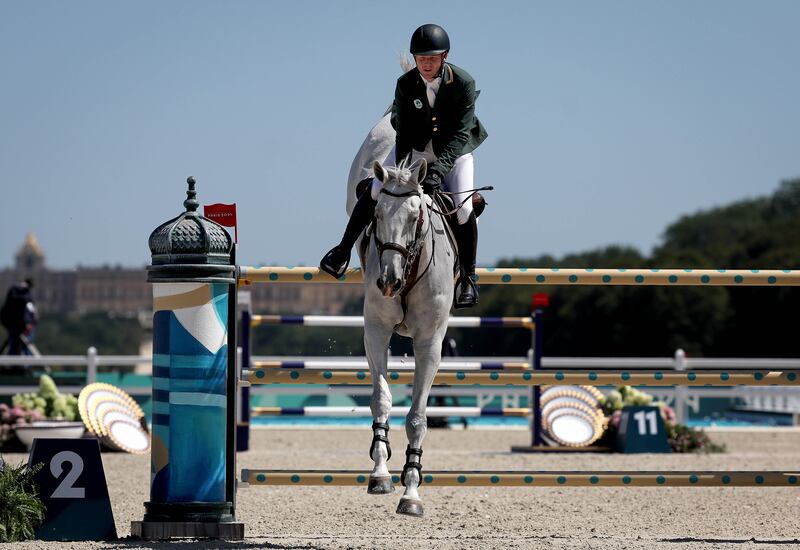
pixel 409 465
pixel 380 438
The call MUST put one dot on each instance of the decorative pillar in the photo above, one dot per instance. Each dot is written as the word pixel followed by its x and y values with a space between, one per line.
pixel 192 490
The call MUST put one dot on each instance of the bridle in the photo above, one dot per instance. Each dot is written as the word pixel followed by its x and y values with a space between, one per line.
pixel 410 252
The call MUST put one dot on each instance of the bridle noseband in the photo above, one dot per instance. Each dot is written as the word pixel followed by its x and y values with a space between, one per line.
pixel 410 252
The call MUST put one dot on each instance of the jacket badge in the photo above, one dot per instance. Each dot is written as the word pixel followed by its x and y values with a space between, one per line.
pixel 417 104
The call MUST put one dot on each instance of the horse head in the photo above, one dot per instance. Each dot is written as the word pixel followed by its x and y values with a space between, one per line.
pixel 399 219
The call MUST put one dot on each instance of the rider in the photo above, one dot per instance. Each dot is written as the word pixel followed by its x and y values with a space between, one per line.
pixel 434 116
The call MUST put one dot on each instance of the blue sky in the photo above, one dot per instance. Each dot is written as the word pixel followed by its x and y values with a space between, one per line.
pixel 607 120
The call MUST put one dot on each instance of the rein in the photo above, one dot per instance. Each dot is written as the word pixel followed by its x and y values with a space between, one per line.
pixel 451 194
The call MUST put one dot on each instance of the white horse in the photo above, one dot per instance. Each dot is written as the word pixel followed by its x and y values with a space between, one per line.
pixel 408 266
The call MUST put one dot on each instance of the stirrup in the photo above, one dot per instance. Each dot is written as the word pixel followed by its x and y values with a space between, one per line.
pixel 380 438
pixel 408 465
pixel 460 304
pixel 326 264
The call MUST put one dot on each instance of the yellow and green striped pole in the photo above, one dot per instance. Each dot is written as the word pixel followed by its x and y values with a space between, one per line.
pixel 271 375
pixel 555 276
pixel 355 478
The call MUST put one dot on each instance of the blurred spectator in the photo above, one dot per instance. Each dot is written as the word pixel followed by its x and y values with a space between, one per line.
pixel 18 316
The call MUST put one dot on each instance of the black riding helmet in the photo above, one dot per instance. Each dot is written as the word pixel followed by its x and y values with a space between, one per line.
pixel 429 39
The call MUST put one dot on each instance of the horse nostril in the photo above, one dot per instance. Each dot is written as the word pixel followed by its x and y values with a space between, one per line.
pixel 379 282
pixel 396 285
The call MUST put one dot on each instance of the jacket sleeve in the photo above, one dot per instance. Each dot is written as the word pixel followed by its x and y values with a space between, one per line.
pixel 464 117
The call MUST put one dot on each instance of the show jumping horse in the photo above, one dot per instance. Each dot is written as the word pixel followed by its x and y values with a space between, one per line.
pixel 408 261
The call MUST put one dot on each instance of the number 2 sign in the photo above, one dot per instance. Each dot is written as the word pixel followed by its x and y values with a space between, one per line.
pixel 72 486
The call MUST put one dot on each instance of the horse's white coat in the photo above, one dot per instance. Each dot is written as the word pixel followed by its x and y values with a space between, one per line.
pixel 376 146
pixel 428 304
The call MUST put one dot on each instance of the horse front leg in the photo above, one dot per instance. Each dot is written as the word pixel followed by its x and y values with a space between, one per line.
pixel 427 355
pixel 376 343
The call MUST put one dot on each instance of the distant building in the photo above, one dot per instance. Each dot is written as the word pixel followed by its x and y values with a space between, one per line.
pixel 125 291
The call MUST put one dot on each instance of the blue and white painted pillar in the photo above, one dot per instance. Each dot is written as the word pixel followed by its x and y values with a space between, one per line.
pixel 190 356
pixel 192 482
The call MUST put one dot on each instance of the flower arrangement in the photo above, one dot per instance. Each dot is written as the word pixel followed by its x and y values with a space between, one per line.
pixel 11 417
pixel 27 408
pixel 49 402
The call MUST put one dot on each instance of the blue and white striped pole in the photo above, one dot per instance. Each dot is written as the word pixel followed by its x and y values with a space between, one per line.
pixel 358 321
pixel 355 411
pixel 394 365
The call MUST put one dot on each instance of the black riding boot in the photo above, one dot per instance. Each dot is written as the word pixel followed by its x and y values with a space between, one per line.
pixel 466 290
pixel 335 262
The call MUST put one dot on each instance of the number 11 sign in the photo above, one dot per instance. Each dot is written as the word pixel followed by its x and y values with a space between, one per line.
pixel 641 430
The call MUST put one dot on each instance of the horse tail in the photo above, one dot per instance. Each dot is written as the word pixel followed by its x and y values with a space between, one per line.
pixel 406 63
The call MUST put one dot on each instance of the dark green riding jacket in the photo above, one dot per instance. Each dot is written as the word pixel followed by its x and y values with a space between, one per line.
pixel 451 123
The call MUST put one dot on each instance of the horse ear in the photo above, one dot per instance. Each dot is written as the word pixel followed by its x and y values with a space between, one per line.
pixel 421 168
pixel 380 172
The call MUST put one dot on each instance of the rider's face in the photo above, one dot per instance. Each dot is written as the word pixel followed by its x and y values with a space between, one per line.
pixel 430 65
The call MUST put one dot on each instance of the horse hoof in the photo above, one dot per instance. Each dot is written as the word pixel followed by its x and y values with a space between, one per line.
pixel 410 507
pixel 380 486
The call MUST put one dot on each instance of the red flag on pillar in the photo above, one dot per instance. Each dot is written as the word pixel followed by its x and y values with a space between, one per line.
pixel 540 300
pixel 223 214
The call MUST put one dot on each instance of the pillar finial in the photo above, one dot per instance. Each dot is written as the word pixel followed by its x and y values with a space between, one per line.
pixel 191 203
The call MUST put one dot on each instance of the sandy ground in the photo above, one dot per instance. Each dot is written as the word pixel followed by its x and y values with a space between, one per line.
pixel 479 518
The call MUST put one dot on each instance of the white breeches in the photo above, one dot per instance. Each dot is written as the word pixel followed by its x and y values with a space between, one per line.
pixel 460 178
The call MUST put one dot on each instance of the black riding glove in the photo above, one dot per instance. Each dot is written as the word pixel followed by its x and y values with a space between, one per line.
pixel 432 183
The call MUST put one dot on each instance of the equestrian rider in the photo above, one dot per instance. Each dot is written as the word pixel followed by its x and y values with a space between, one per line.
pixel 434 116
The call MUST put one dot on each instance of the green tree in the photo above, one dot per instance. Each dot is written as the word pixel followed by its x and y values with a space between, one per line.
pixel 73 334
pixel 760 233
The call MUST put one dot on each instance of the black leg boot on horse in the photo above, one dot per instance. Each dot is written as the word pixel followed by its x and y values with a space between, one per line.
pixel 335 262
pixel 380 485
pixel 467 238
pixel 411 506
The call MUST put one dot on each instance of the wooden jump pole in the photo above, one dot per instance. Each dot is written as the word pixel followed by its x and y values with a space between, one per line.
pixel 270 375
pixel 554 276
pixel 355 478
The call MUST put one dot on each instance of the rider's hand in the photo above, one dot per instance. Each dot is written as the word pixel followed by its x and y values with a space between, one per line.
pixel 432 183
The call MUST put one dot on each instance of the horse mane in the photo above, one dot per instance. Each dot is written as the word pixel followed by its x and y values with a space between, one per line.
pixel 401 174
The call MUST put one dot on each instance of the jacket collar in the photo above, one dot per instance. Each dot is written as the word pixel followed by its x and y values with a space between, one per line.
pixel 447 74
